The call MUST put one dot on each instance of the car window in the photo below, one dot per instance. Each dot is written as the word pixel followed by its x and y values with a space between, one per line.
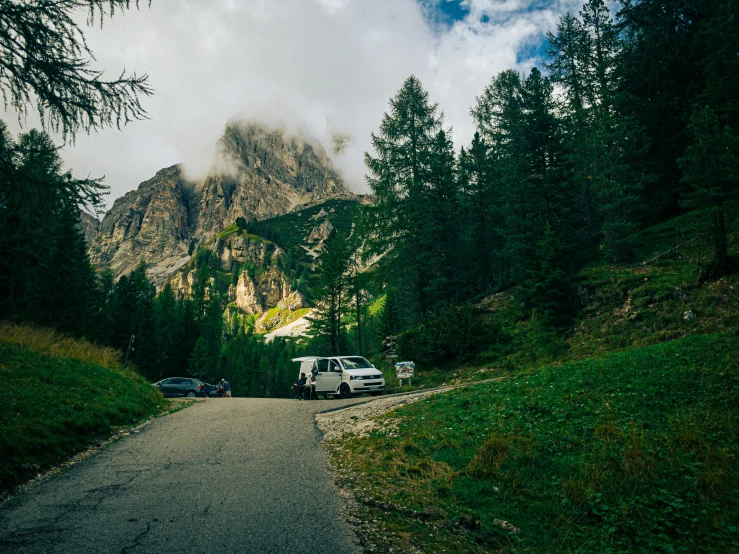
pixel 322 365
pixel 334 366
pixel 166 382
pixel 177 381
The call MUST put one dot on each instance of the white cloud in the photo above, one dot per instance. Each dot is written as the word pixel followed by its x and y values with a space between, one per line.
pixel 329 66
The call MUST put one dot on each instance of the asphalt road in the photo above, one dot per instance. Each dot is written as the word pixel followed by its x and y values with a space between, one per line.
pixel 224 475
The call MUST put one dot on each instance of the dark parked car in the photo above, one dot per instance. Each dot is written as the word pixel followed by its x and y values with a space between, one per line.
pixel 181 386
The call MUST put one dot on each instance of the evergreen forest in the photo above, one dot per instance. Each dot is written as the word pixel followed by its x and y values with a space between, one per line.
pixel 630 121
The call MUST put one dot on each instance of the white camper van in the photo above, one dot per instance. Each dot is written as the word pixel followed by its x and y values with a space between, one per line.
pixel 342 375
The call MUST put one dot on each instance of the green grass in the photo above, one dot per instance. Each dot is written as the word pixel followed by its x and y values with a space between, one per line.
pixel 634 451
pixel 57 402
pixel 277 317
pixel 232 230
pixel 228 231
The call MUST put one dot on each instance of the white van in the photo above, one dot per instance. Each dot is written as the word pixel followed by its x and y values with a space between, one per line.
pixel 342 375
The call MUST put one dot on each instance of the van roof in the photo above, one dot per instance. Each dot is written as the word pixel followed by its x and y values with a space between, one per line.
pixel 312 358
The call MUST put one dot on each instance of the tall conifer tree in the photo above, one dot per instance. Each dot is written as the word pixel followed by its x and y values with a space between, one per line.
pixel 400 171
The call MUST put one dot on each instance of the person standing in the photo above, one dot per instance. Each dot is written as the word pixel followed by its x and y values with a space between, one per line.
pixel 226 388
pixel 301 385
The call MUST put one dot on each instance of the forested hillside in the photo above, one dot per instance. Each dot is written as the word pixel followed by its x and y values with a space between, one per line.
pixel 619 147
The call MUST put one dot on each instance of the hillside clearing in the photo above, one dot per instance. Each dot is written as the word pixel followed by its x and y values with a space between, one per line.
pixel 630 451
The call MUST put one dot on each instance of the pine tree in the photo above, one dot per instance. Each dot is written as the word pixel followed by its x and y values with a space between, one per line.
pixel 133 308
pixel 546 290
pixel 480 218
pixel 439 254
pixel 676 55
pixel 167 326
pixel 500 119
pixel 605 144
pixel 400 171
pixel 45 275
pixel 544 150
pixel 205 359
pixel 711 167
pixel 569 60
pixel 44 58
pixel 331 295
pixel 70 284
pixel 390 322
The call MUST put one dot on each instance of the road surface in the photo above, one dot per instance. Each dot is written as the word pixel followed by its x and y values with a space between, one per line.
pixel 224 475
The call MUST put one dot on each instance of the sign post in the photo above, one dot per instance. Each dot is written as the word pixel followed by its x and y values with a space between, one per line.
pixel 388 346
pixel 404 370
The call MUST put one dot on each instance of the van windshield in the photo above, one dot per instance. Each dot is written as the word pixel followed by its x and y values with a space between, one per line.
pixel 356 362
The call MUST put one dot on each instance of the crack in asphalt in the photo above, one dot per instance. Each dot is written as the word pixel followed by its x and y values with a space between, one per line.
pixel 136 542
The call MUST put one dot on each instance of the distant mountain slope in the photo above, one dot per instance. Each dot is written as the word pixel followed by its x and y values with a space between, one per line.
pixel 265 270
pixel 269 174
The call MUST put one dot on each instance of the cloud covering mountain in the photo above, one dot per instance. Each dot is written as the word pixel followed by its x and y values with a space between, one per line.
pixel 328 66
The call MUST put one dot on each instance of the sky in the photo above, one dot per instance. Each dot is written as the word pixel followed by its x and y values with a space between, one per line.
pixel 325 67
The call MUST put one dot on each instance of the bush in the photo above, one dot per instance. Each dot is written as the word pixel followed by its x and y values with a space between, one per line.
pixel 457 333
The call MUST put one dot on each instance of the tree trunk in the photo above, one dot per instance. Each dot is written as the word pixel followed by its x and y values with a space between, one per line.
pixel 719 238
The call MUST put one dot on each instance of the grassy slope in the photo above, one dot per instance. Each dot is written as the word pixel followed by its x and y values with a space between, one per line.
pixel 61 394
pixel 634 450
pixel 617 436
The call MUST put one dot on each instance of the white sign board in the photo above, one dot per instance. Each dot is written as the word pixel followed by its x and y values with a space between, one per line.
pixel 404 370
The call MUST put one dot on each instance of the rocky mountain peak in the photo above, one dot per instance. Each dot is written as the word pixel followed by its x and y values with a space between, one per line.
pixel 266 173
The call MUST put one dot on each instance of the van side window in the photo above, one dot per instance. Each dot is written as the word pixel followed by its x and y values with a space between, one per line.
pixel 322 365
pixel 335 366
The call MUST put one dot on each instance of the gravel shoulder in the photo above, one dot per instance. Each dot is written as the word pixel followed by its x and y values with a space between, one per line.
pixel 359 420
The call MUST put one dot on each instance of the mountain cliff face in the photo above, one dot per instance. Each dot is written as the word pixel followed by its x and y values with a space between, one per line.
pixel 268 174
pixel 89 226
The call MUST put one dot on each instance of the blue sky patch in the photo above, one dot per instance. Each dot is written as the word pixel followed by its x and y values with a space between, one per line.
pixel 445 12
pixel 536 50
pixel 453 10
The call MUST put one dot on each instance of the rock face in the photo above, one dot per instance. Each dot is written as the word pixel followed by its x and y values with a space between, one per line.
pixel 260 283
pixel 151 224
pixel 269 174
pixel 89 226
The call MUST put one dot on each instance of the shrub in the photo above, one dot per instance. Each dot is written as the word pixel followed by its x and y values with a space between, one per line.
pixel 457 333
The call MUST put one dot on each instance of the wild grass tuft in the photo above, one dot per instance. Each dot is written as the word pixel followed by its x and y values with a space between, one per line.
pixel 490 456
pixel 62 394
pixel 48 341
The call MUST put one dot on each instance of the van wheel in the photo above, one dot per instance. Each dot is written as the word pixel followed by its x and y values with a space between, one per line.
pixel 345 391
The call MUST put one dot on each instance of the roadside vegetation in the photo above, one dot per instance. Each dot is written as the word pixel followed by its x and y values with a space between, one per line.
pixel 61 394
pixel 631 451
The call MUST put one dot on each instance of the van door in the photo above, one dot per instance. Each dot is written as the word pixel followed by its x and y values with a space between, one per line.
pixel 328 375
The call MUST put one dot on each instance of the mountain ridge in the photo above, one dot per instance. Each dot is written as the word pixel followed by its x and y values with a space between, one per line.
pixel 266 173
